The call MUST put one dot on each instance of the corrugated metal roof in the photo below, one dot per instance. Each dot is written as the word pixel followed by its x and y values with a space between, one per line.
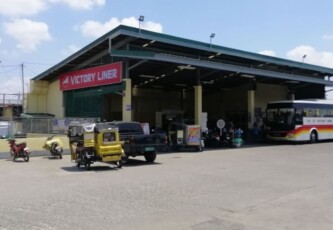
pixel 128 43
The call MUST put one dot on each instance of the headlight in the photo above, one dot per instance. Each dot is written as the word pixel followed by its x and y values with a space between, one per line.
pixel 291 135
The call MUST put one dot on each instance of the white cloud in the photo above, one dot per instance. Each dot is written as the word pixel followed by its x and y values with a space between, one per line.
pixel 313 56
pixel 70 50
pixel 21 7
pixel 96 29
pixel 268 53
pixel 328 37
pixel 9 54
pixel 11 85
pixel 80 4
pixel 29 34
pixel 32 7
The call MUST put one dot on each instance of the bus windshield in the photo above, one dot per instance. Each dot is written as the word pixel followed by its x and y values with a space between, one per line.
pixel 283 116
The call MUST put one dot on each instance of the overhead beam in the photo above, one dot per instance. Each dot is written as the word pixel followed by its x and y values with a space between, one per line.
pixel 104 52
pixel 219 66
pixel 167 39
pixel 137 64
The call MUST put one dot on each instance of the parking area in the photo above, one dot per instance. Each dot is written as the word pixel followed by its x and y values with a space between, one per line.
pixel 267 187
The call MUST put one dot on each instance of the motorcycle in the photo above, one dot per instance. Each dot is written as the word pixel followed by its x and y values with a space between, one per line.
pixel 238 140
pixel 55 146
pixel 18 150
pixel 227 139
pixel 233 138
pixel 211 139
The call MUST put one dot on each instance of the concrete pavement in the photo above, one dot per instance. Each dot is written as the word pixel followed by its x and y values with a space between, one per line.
pixel 270 187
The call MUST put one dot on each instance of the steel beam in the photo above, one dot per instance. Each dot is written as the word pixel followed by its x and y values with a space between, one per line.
pixel 222 66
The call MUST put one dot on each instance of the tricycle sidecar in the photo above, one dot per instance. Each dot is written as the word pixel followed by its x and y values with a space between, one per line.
pixel 95 142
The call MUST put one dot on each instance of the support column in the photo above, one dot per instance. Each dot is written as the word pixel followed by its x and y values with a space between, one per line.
pixel 291 96
pixel 250 108
pixel 127 100
pixel 197 104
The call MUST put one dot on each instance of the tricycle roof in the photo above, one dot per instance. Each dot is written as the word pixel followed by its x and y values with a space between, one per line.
pixel 105 126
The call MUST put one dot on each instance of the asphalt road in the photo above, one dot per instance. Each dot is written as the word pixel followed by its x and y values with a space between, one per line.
pixel 259 188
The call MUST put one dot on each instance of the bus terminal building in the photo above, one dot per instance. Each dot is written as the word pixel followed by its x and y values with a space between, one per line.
pixel 137 75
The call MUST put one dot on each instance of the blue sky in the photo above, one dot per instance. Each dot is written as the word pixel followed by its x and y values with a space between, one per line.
pixel 40 33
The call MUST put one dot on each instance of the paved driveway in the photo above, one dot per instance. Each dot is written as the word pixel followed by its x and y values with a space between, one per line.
pixel 259 188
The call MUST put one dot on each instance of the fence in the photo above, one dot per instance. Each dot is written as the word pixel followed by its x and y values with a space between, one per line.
pixel 9 128
pixel 9 99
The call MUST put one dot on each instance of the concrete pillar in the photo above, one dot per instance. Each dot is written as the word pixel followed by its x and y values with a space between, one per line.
pixel 127 100
pixel 292 96
pixel 197 104
pixel 250 108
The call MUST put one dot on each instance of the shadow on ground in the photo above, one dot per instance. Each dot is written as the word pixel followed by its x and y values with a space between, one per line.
pixel 138 162
pixel 93 168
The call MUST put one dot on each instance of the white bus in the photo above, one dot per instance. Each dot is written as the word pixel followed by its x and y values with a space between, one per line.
pixel 300 120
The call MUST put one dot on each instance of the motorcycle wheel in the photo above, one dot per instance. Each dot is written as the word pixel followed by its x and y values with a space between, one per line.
pixel 119 164
pixel 53 150
pixel 87 165
pixel 124 159
pixel 60 153
pixel 78 164
pixel 26 157
pixel 224 144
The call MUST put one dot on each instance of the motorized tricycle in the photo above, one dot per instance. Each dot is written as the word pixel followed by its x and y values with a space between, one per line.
pixel 55 146
pixel 18 150
pixel 93 142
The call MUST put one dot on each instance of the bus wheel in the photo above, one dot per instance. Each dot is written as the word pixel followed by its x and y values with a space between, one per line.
pixel 313 137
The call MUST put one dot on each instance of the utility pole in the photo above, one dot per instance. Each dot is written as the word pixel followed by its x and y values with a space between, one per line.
pixel 22 75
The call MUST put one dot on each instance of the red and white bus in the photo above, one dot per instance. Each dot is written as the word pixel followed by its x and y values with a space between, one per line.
pixel 300 120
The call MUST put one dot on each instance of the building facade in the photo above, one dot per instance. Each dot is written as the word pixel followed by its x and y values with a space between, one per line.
pixel 132 74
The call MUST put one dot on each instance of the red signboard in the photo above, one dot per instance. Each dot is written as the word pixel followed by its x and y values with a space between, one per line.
pixel 100 75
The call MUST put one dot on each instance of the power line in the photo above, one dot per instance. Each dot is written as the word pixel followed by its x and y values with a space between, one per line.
pixel 30 69
pixel 11 70
pixel 8 77
pixel 36 63
pixel 5 66
pixel 22 67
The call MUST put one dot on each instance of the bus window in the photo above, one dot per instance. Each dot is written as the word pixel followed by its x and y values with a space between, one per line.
pixel 299 116
pixel 285 115
pixel 318 113
pixel 272 114
pixel 328 113
pixel 310 112
pixel 289 116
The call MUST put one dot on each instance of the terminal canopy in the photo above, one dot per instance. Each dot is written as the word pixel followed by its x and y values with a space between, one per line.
pixel 160 61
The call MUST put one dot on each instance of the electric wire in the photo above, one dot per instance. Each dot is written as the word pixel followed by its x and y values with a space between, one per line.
pixel 7 77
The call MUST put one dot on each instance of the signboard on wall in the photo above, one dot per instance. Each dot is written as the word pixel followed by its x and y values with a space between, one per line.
pixel 96 76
